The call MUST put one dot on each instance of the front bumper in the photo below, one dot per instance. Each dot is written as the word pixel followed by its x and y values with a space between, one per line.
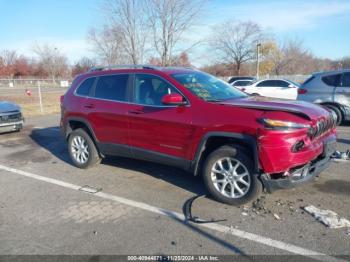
pixel 301 175
pixel 11 126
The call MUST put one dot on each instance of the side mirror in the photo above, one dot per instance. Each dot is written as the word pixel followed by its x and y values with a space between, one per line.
pixel 173 99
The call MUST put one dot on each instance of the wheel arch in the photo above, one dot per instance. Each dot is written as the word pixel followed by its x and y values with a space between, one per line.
pixel 339 106
pixel 213 140
pixel 74 123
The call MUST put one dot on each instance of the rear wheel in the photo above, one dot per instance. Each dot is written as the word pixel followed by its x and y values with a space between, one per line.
pixel 229 176
pixel 337 111
pixel 82 149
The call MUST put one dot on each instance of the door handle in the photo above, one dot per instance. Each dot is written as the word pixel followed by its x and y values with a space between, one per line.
pixel 136 112
pixel 90 106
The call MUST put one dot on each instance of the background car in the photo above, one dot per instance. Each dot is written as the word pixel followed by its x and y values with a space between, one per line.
pixel 240 84
pixel 11 118
pixel 235 78
pixel 331 89
pixel 277 88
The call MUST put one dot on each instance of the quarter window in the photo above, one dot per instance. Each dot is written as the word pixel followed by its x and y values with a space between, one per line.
pixel 85 88
pixel 112 87
pixel 346 80
pixel 332 80
pixel 150 89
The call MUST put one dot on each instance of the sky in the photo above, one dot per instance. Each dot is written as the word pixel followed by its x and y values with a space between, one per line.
pixel 322 25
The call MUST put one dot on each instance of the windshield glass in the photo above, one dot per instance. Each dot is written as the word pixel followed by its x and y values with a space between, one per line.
pixel 208 87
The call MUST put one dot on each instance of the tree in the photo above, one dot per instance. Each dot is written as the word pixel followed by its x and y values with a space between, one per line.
pixel 108 45
pixel 83 65
pixel 235 42
pixel 169 20
pixel 129 17
pixel 52 60
pixel 7 63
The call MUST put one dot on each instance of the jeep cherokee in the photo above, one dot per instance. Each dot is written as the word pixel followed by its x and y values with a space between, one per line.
pixel 185 118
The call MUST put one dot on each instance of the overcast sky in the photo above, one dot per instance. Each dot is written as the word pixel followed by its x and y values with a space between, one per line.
pixel 323 25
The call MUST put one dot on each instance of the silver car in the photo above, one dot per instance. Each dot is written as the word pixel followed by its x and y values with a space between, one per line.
pixel 11 118
pixel 331 89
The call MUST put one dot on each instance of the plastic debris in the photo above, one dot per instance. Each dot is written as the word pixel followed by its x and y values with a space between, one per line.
pixel 277 216
pixel 327 217
pixel 244 214
pixel 337 155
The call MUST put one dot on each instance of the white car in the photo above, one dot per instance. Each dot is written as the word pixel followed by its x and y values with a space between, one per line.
pixel 277 88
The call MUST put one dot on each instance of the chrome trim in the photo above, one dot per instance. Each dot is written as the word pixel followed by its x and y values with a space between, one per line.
pixel 12 124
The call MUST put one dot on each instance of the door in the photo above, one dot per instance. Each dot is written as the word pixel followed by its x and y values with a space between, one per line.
pixel 266 88
pixel 154 127
pixel 285 90
pixel 107 111
pixel 342 91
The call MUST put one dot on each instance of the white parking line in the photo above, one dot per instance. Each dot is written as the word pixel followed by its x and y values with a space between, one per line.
pixel 168 213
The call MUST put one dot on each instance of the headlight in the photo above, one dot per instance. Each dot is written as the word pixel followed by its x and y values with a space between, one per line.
pixel 282 125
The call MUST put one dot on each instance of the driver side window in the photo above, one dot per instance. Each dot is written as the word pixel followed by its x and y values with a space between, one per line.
pixel 150 89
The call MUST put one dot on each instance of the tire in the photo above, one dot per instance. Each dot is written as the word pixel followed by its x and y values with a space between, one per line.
pixel 237 155
pixel 82 149
pixel 337 111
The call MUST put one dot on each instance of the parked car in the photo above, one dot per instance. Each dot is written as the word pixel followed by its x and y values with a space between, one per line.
pixel 185 118
pixel 235 78
pixel 277 88
pixel 330 89
pixel 240 84
pixel 11 118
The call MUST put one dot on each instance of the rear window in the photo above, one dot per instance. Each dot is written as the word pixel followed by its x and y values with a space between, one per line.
pixel 85 88
pixel 112 87
pixel 332 80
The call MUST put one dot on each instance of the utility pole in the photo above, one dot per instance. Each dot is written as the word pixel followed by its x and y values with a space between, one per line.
pixel 257 59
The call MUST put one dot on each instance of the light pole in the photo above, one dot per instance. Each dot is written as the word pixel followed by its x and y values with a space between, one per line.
pixel 257 60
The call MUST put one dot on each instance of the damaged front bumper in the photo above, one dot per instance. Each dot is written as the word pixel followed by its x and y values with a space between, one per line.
pixel 298 177
pixel 302 174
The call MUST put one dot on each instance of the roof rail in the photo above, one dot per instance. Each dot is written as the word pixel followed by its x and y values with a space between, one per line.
pixel 111 67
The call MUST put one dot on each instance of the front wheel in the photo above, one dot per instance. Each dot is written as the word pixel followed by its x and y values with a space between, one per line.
pixel 229 176
pixel 338 113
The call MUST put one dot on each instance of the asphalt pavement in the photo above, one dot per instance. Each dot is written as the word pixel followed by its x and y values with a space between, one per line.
pixel 139 206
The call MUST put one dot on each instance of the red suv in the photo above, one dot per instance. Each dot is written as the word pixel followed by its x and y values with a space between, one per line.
pixel 185 118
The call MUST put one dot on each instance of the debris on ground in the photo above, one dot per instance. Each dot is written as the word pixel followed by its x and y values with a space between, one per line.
pixel 337 155
pixel 327 217
pixel 276 216
pixel 187 211
pixel 244 214
pixel 348 232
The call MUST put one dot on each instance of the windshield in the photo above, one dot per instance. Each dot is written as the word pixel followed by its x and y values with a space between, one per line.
pixel 208 87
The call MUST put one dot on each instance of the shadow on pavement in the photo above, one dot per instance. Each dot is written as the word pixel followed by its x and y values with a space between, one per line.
pixel 51 139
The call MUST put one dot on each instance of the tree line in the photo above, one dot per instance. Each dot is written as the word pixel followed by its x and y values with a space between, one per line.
pixel 159 32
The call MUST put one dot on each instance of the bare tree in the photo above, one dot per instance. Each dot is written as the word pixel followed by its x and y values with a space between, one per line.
pixel 129 17
pixel 236 42
pixel 8 59
pixel 108 45
pixel 169 20
pixel 53 61
pixel 290 57
pixel 83 65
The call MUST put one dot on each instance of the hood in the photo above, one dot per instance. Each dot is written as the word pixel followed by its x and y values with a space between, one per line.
pixel 8 107
pixel 304 109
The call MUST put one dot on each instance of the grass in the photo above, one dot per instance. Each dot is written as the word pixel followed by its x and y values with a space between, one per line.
pixel 30 104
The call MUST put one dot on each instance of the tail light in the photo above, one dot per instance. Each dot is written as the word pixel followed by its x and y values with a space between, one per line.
pixel 302 91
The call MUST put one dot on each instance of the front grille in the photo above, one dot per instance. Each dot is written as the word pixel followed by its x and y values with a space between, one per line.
pixel 10 118
pixel 322 127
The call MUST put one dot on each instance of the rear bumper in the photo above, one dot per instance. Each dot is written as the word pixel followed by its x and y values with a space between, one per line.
pixel 299 176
